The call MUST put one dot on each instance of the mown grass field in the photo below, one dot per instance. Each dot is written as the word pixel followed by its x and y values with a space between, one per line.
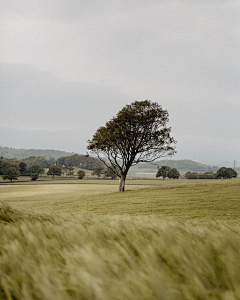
pixel 184 199
pixel 174 240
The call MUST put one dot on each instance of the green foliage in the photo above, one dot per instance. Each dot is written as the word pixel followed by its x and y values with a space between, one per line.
pixel 5 162
pixel 81 161
pixel 98 171
pixel 190 175
pixel 81 174
pixel 109 173
pixel 187 173
pixel 55 171
pixel 226 173
pixel 11 172
pixel 137 134
pixel 173 173
pixel 22 168
pixel 163 172
pixel 39 160
pixel 36 169
pixel 34 176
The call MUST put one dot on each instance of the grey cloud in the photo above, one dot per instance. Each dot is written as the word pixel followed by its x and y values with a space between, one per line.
pixel 96 56
pixel 71 10
pixel 33 99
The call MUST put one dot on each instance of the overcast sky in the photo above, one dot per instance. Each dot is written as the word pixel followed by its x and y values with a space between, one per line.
pixel 66 67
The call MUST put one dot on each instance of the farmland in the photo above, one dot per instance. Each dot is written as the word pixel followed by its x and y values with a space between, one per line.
pixel 72 239
pixel 184 199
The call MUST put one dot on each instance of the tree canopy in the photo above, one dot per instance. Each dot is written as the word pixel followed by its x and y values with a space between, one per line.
pixel 39 160
pixel 226 173
pixel 22 167
pixel 11 172
pixel 54 170
pixel 137 134
pixel 173 173
pixel 81 161
pixel 36 169
pixel 163 172
pixel 81 174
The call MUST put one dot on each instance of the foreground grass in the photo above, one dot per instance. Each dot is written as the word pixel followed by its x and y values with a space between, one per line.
pixel 176 241
pixel 116 257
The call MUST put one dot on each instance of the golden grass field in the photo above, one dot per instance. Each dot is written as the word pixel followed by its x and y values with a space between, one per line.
pixel 83 240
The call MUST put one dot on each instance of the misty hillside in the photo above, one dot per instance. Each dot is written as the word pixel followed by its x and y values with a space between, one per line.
pixel 183 166
pixel 23 153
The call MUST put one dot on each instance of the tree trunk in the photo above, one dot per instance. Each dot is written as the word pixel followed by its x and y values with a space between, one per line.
pixel 121 187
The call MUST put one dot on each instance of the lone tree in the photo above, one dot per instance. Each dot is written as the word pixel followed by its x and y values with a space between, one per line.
pixel 70 171
pixel 81 174
pixel 163 172
pixel 55 170
pixel 226 173
pixel 137 134
pixel 11 172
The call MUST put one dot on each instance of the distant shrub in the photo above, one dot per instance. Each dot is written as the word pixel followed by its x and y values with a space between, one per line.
pixel 34 176
pixel 81 174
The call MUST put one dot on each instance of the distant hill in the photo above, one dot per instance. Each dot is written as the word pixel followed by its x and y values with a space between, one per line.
pixel 183 166
pixel 23 153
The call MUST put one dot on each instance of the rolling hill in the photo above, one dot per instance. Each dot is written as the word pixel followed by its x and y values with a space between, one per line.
pixel 23 153
pixel 183 166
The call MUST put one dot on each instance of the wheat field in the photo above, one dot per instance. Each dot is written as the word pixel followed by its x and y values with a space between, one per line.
pixel 174 241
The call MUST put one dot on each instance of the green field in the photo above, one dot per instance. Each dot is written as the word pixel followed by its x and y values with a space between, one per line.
pixel 72 239
pixel 184 199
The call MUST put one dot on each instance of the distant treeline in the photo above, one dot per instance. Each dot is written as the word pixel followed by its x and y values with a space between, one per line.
pixel 89 163
pixel 41 161
pixel 221 173
pixel 200 176
pixel 81 161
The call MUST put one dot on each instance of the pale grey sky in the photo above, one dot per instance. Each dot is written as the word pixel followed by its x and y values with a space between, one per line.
pixel 66 67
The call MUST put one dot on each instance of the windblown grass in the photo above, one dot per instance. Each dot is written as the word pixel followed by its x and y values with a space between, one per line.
pixel 173 242
pixel 116 257
pixel 10 215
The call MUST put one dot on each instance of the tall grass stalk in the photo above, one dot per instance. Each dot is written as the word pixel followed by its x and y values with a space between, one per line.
pixel 118 257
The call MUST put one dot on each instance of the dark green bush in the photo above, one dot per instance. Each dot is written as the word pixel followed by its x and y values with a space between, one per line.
pixel 34 176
